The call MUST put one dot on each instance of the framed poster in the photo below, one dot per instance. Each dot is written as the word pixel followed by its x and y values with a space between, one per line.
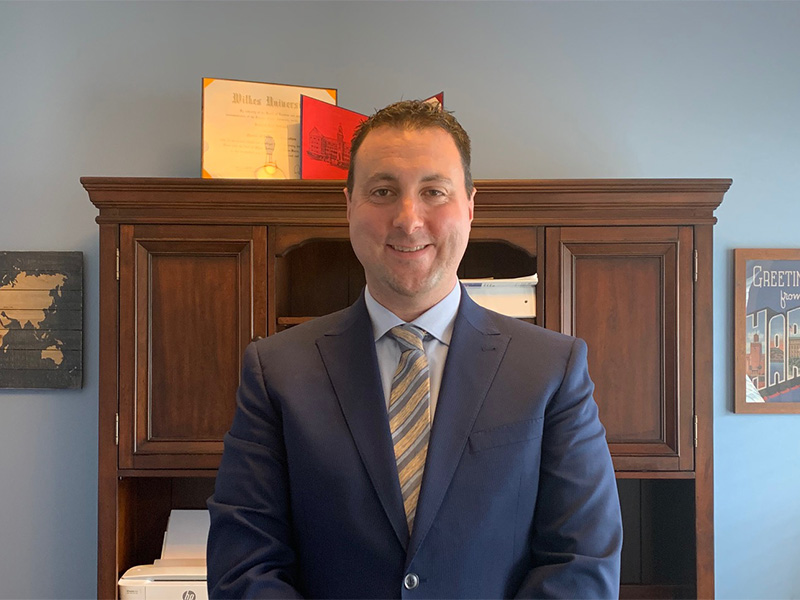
pixel 767 330
pixel 326 134
pixel 251 130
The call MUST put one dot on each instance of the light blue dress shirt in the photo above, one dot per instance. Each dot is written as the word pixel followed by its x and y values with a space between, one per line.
pixel 438 321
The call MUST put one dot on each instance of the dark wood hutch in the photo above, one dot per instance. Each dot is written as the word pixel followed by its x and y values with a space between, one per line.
pixel 191 270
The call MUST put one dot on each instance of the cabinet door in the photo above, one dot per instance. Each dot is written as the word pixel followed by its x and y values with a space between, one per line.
pixel 191 298
pixel 628 291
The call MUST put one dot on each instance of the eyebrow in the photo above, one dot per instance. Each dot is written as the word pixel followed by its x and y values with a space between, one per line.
pixel 380 177
pixel 392 178
pixel 437 177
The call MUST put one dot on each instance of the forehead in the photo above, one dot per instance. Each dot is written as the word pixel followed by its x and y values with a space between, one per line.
pixel 388 134
pixel 408 148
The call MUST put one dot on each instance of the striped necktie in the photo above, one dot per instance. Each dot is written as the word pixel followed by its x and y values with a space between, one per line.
pixel 410 414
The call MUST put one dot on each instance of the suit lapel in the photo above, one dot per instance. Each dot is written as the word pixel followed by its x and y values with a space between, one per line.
pixel 473 358
pixel 350 360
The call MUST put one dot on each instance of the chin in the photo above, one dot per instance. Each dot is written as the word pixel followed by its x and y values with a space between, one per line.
pixel 413 289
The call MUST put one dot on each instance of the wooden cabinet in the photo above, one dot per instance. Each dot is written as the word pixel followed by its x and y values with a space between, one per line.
pixel 192 270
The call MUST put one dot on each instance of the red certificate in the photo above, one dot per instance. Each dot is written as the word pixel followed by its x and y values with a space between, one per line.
pixel 326 131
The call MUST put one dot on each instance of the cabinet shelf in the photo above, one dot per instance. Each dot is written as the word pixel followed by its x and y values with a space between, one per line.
pixel 655 592
pixel 289 321
pixel 167 473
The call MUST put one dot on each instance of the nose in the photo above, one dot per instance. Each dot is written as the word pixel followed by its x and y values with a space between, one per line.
pixel 408 217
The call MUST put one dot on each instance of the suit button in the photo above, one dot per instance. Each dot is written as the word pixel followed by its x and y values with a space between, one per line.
pixel 411 581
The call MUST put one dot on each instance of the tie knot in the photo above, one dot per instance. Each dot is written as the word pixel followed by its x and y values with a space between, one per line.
pixel 409 336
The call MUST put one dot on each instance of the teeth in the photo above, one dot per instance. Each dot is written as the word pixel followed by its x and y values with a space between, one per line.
pixel 403 249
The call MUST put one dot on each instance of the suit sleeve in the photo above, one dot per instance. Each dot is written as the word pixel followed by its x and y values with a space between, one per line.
pixel 250 552
pixel 577 528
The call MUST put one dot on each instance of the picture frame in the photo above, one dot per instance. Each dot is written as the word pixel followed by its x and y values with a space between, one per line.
pixel 41 320
pixel 251 130
pixel 766 330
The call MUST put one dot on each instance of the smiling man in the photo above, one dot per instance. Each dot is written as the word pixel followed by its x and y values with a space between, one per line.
pixel 414 445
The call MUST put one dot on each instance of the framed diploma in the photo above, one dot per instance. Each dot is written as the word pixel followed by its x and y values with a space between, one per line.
pixel 251 130
pixel 767 330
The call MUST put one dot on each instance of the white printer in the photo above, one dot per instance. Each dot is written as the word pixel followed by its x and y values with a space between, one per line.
pixel 180 573
pixel 514 297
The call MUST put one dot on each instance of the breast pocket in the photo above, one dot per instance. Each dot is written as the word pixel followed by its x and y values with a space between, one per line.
pixel 503 435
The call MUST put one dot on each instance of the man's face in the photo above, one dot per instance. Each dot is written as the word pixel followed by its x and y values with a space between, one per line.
pixel 409 216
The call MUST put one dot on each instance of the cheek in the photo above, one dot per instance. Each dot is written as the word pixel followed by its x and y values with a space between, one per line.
pixel 455 231
pixel 366 229
pixel 365 235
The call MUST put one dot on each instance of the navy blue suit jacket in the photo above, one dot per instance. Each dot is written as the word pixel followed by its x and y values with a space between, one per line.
pixel 518 495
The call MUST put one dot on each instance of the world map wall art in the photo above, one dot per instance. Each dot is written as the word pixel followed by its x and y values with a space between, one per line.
pixel 41 319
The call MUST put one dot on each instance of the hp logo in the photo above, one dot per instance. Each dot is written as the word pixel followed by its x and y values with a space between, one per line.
pixel 189 595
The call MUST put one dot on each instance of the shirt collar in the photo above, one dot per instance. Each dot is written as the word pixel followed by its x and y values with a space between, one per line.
pixel 437 320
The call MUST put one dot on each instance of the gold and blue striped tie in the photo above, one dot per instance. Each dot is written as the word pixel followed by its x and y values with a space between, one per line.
pixel 410 414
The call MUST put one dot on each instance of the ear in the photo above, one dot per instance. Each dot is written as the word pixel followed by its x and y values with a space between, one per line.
pixel 471 204
pixel 347 197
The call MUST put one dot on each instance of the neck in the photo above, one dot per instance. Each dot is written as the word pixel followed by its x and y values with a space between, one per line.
pixel 409 308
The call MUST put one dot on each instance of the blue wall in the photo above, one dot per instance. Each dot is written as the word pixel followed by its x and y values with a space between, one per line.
pixel 546 90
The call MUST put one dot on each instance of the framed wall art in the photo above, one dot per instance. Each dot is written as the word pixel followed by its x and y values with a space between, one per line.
pixel 41 319
pixel 767 330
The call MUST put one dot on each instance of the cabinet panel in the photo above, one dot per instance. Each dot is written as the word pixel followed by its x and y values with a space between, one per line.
pixel 657 518
pixel 191 309
pixel 627 291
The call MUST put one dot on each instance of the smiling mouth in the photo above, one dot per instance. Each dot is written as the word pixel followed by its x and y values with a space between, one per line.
pixel 407 248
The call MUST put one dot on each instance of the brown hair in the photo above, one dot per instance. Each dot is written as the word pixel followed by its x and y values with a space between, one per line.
pixel 413 114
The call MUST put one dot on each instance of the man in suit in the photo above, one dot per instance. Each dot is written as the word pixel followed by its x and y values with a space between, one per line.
pixel 414 445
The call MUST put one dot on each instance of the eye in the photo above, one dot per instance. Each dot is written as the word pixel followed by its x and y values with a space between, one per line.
pixel 381 195
pixel 435 194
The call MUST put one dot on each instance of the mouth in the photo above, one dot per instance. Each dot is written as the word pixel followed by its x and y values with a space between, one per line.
pixel 407 248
